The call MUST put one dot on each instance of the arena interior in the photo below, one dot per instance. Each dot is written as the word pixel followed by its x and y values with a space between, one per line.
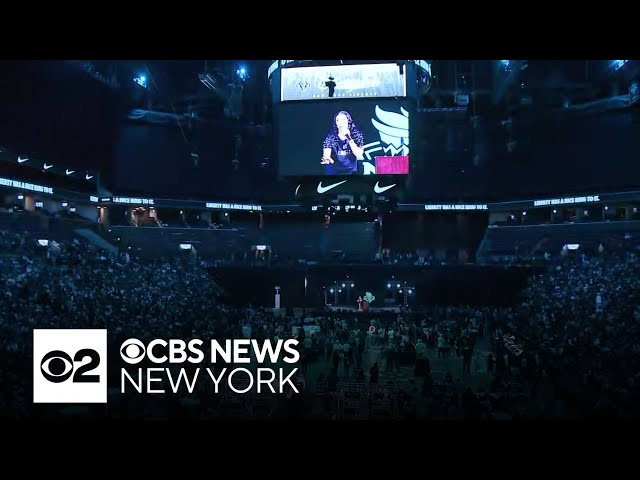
pixel 445 240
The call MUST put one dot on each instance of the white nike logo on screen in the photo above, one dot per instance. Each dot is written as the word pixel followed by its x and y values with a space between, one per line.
pixel 322 189
pixel 378 189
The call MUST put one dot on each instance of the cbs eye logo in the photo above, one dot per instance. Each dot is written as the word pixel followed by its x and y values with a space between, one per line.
pixel 132 351
pixel 69 366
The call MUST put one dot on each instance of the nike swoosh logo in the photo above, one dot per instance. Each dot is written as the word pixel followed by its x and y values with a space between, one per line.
pixel 47 167
pixel 322 189
pixel 22 160
pixel 69 172
pixel 378 189
pixel 88 177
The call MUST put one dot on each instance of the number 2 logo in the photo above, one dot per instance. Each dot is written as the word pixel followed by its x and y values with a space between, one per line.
pixel 57 366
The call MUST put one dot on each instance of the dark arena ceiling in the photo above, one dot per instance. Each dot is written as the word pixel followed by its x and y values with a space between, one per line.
pixel 73 111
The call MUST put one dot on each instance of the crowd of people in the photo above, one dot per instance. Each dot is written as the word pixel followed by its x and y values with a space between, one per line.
pixel 569 348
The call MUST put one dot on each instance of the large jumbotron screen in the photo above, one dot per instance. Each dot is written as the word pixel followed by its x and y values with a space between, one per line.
pixel 344 137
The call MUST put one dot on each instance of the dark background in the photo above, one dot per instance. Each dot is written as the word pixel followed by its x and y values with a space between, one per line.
pixel 57 114
pixel 555 153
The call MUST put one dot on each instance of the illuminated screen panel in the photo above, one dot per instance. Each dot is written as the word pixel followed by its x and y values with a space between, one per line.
pixel 312 138
pixel 383 80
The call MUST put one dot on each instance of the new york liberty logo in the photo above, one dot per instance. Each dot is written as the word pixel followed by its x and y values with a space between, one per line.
pixel 393 129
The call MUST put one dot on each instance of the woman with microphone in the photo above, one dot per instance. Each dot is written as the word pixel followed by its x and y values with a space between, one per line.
pixel 346 141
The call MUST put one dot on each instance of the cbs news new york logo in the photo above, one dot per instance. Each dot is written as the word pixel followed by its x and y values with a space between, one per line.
pixel 69 366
